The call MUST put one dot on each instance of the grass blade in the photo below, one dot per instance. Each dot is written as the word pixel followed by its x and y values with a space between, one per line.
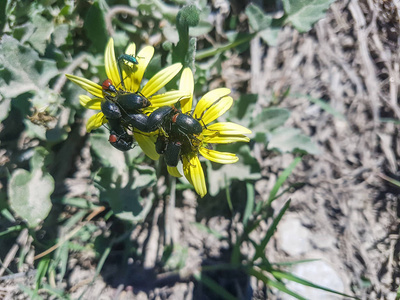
pixel 271 283
pixel 208 230
pixel 282 178
pixel 270 231
pixel 291 277
pixel 214 286
pixel 390 120
pixel 41 271
pixel 228 195
pixel 221 48
pixel 389 179
pixel 249 204
pixel 322 104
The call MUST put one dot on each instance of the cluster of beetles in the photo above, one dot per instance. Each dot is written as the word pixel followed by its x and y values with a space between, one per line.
pixel 177 131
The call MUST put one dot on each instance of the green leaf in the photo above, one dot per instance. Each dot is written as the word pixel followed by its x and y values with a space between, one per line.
pixel 108 155
pixel 321 103
pixel 270 36
pixel 24 71
pixel 60 34
pixel 29 192
pixel 291 139
pixel 3 5
pixel 269 119
pixel 5 107
pixel 200 29
pixel 258 20
pixel 95 27
pixel 304 13
pixel 246 169
pixel 123 192
pixel 41 35
pixel 243 108
pixel 123 201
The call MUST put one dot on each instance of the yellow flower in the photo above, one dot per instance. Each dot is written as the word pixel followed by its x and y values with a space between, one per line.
pixel 211 106
pixel 132 76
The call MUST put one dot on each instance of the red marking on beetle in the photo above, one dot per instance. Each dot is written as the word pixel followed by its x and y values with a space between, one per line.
pixel 106 84
pixel 112 138
pixel 174 117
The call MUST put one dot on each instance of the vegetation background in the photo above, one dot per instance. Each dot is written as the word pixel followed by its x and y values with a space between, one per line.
pixel 319 91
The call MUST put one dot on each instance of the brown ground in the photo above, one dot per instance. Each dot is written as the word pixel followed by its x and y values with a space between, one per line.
pixel 347 214
pixel 350 59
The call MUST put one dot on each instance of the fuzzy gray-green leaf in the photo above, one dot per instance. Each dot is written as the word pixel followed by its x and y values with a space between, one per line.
pixel 304 13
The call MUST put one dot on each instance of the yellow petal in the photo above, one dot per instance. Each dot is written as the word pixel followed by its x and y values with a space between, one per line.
pixel 88 85
pixel 90 103
pixel 159 80
pixel 217 110
pixel 147 143
pixel 111 64
pixel 130 50
pixel 168 98
pixel 219 157
pixel 226 139
pixel 187 85
pixel 208 99
pixel 186 169
pixel 226 128
pixel 144 56
pixel 95 121
pixel 174 171
pixel 194 173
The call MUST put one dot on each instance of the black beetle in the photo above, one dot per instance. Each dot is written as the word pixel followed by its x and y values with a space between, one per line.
pixel 185 124
pixel 119 138
pixel 137 120
pixel 121 142
pixel 173 122
pixel 159 117
pixel 172 153
pixel 132 102
pixel 161 144
pixel 110 109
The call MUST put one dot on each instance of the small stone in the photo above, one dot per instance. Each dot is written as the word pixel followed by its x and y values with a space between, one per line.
pixel 319 273
pixel 293 237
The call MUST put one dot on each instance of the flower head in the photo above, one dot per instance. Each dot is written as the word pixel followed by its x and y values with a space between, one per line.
pixel 211 106
pixel 128 79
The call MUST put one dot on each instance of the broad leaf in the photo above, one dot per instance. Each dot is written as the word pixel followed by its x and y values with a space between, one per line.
pixel 29 192
pixel 24 71
pixel 269 119
pixel 291 139
pixel 304 13
pixel 258 20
